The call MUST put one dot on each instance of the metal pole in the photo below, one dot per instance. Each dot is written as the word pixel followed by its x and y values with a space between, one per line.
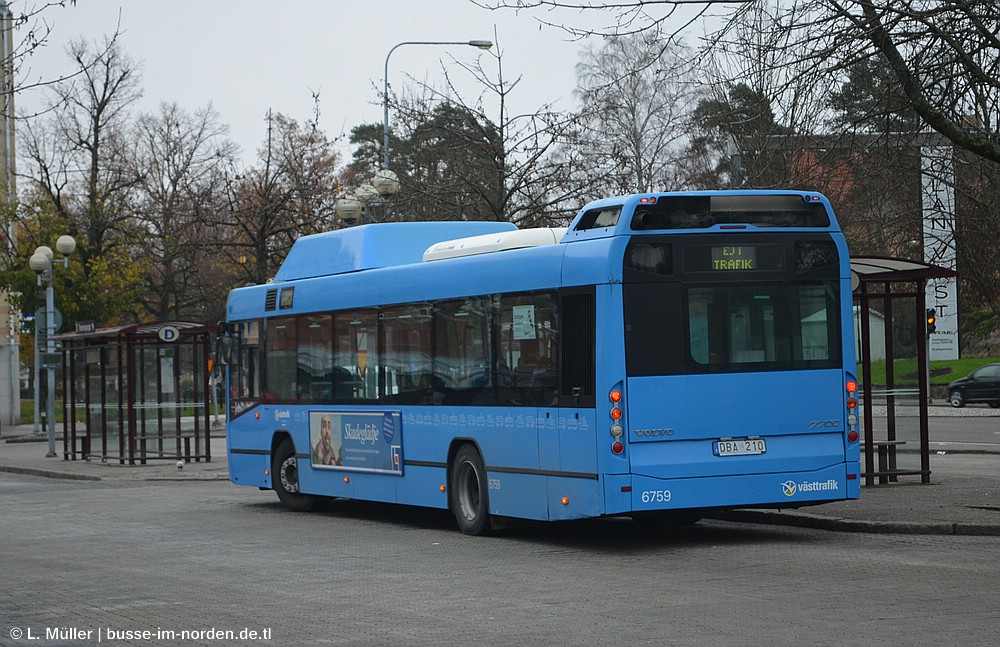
pixel 50 400
pixel 10 184
pixel 38 369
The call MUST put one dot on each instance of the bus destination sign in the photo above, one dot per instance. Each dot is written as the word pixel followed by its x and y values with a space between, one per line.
pixel 734 258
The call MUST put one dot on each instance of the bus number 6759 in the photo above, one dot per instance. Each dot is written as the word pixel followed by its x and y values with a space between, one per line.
pixel 656 496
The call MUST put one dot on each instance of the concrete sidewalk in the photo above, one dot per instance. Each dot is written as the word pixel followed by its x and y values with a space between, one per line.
pixel 24 452
pixel 963 496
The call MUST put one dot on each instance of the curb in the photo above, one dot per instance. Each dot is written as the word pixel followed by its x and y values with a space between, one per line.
pixel 52 474
pixel 75 476
pixel 840 524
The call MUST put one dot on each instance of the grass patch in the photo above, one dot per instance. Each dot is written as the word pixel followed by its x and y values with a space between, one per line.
pixel 942 371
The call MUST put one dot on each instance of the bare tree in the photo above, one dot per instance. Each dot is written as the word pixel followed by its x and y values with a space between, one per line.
pixel 943 54
pixel 476 159
pixel 636 94
pixel 977 194
pixel 180 158
pixel 624 18
pixel 78 159
pixel 289 193
pixel 30 26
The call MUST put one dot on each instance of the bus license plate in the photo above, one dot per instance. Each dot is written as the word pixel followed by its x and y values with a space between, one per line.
pixel 742 447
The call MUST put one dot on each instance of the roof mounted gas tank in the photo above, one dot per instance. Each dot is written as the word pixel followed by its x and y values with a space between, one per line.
pixel 372 246
pixel 494 242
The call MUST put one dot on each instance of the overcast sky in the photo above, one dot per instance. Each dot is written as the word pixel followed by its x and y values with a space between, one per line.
pixel 247 56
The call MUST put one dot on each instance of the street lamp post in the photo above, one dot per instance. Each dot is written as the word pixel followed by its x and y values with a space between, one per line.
pixel 42 262
pixel 481 44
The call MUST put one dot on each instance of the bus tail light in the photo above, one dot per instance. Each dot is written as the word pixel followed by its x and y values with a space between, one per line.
pixel 616 413
pixel 852 405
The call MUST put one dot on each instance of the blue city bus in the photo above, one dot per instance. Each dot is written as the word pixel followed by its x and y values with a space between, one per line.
pixel 666 355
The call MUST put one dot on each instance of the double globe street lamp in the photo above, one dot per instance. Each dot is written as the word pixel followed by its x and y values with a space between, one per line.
pixel 42 263
pixel 383 186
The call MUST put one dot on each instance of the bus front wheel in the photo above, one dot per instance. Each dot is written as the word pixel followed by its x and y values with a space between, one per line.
pixel 285 479
pixel 470 498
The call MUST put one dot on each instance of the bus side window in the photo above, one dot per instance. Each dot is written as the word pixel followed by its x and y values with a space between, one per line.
pixel 529 344
pixel 463 352
pixel 280 345
pixel 578 340
pixel 355 356
pixel 314 358
pixel 406 364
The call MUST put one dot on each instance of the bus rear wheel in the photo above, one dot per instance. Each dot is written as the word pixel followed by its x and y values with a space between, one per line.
pixel 470 498
pixel 285 479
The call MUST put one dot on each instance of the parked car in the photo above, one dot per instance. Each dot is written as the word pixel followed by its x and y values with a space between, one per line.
pixel 981 385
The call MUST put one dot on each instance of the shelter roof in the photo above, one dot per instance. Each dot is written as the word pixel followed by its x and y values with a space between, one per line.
pixel 880 268
pixel 150 329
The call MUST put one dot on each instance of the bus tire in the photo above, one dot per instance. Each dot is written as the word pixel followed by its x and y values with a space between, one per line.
pixel 285 479
pixel 470 497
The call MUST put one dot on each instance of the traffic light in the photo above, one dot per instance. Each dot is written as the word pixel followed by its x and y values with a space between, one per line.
pixel 931 320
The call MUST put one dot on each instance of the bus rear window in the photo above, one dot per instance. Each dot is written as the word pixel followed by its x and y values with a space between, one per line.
pixel 753 327
pixel 702 212
pixel 731 327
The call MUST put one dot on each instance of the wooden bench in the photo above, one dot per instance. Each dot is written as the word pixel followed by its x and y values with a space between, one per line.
pixel 882 451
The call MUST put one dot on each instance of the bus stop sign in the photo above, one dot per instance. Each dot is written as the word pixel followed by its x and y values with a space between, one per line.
pixel 168 334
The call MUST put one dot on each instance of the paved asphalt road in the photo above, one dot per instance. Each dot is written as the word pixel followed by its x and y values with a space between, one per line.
pixel 196 556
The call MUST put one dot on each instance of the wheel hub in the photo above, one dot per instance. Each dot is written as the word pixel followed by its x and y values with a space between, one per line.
pixel 290 475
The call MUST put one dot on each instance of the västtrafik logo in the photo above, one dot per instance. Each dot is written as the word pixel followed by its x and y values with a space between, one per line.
pixel 790 488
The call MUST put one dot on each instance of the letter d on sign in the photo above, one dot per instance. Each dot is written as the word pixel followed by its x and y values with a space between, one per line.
pixel 168 334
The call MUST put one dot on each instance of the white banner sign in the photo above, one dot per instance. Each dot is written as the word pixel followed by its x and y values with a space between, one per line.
pixel 938 201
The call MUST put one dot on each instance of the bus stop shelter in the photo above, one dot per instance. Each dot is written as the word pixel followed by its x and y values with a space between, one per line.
pixel 137 393
pixel 892 292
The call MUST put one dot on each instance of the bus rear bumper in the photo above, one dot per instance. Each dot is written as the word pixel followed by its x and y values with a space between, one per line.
pixel 635 493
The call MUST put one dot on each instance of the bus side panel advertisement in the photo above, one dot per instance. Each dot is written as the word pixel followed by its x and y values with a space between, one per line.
pixel 369 441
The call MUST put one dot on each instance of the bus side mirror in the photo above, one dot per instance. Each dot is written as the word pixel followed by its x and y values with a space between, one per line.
pixel 223 350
